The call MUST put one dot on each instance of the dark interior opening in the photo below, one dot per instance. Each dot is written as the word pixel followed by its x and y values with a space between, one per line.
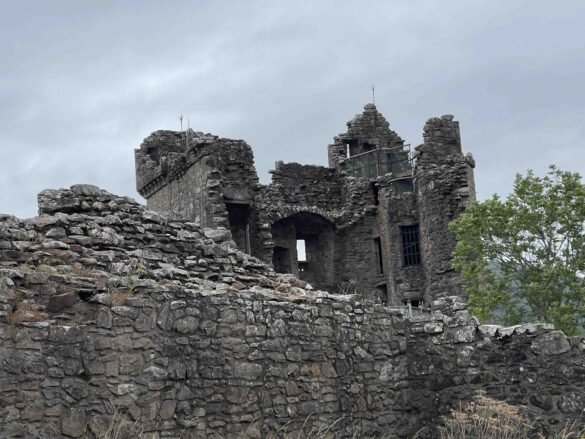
pixel 414 303
pixel 368 147
pixel 376 193
pixel 281 259
pixel 308 238
pixel 379 258
pixel 239 214
pixel 382 293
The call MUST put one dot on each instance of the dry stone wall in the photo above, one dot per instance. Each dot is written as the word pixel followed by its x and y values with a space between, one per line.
pixel 111 313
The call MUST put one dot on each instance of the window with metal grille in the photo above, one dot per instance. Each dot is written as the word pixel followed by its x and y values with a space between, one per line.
pixel 410 245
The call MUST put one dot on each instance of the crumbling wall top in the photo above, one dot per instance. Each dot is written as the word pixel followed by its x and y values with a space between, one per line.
pixel 371 127
pixel 441 139
pixel 165 155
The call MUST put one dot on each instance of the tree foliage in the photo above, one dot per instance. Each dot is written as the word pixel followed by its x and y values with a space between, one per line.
pixel 523 258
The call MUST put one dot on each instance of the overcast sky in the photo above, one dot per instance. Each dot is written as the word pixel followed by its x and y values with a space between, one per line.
pixel 83 82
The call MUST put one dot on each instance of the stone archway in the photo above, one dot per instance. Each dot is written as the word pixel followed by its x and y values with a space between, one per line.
pixel 317 233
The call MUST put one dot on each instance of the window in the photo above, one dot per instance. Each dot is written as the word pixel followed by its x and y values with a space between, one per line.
pixel 410 245
pixel 302 260
pixel 378 251
pixel 301 251
pixel 281 259
pixel 376 193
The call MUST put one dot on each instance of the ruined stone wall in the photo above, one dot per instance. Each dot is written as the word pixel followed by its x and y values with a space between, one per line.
pixel 396 210
pixel 213 182
pixel 105 308
pixel 305 185
pixel 355 258
pixel 443 180
pixel 531 365
pixel 367 130
pixel 345 249
pixel 193 174
pixel 188 195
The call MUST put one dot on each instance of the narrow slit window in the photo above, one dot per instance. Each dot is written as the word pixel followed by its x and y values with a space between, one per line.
pixel 410 245
pixel 376 194
pixel 378 251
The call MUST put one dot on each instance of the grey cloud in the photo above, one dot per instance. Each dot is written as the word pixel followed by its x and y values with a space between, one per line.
pixel 81 84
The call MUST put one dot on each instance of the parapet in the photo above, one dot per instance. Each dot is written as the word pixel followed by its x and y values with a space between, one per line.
pixel 164 156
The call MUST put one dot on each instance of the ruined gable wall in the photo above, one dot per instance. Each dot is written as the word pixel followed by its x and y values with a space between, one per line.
pixel 365 131
pixel 213 343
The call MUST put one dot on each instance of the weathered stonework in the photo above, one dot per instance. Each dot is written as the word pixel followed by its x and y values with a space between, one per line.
pixel 106 307
pixel 351 214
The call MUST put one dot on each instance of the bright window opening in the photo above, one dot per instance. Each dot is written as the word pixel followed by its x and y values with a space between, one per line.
pixel 301 251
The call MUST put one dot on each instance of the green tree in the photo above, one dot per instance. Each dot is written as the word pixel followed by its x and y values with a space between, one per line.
pixel 523 258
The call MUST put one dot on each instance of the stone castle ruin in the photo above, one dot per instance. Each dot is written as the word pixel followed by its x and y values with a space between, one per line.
pixel 375 219
pixel 189 324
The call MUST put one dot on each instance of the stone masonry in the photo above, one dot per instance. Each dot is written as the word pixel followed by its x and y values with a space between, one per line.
pixel 374 221
pixel 110 313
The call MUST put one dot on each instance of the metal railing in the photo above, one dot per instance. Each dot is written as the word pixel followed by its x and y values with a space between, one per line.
pixel 380 161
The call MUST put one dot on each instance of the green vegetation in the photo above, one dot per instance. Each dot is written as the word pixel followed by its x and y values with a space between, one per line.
pixel 523 258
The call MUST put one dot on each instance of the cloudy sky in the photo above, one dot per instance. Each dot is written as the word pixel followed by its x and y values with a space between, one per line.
pixel 83 82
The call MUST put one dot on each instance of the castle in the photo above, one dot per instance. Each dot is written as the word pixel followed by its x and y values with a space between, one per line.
pixel 115 316
pixel 375 219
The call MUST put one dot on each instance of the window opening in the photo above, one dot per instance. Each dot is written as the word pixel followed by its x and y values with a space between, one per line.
pixel 281 260
pixel 368 147
pixel 382 294
pixel 378 251
pixel 301 251
pixel 238 214
pixel 410 245
pixel 302 262
pixel 376 192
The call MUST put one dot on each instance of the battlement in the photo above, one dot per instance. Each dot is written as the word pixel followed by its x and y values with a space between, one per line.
pixel 165 155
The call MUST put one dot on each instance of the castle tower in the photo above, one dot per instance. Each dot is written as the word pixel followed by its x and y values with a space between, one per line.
pixel 444 182
pixel 209 180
